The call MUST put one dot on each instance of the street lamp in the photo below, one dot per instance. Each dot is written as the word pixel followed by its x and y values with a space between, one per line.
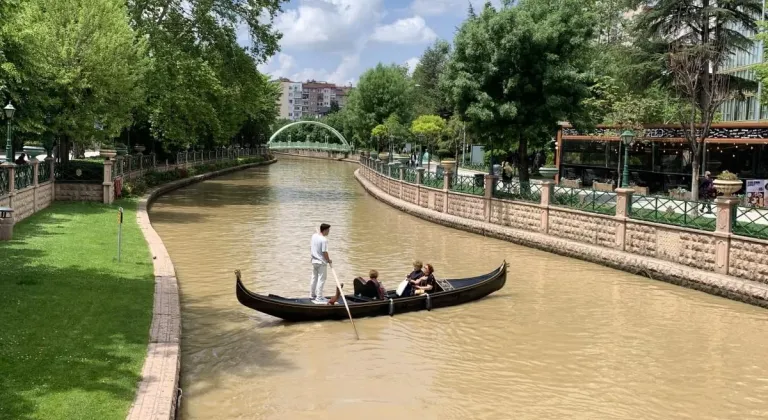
pixel 626 137
pixel 9 111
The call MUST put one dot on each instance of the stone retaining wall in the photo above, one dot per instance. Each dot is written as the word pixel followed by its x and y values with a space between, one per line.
pixel 157 394
pixel 78 192
pixel 316 154
pixel 682 256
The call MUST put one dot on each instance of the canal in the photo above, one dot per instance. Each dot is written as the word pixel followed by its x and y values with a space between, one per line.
pixel 563 339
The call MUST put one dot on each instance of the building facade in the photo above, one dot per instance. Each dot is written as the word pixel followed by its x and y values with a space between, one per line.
pixel 309 99
pixel 740 64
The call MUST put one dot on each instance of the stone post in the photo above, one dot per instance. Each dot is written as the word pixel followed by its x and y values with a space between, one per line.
pixel 623 211
pixel 447 180
pixel 11 168
pixel 726 216
pixel 419 183
pixel 402 181
pixel 108 192
pixel 51 161
pixel 35 173
pixel 489 181
pixel 547 196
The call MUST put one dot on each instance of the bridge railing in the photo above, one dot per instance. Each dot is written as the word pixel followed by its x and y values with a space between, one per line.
pixel 306 145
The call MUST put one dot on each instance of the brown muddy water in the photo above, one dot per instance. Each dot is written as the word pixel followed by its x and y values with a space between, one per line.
pixel 564 339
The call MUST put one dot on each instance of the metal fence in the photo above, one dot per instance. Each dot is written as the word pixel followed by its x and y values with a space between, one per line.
pixel 468 184
pixel 751 222
pixel 44 172
pixel 80 171
pixel 24 176
pixel 585 200
pixel 690 214
pixel 431 180
pixel 514 190
pixel 5 181
pixel 410 175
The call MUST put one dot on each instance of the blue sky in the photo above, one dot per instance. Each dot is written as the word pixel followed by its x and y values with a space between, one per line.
pixel 336 40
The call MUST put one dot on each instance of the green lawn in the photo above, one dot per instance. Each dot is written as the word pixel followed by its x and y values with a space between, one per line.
pixel 74 323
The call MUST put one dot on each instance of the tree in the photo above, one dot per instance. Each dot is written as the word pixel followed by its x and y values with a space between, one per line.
pixel 428 127
pixel 429 98
pixel 692 40
pixel 382 91
pixel 89 60
pixel 516 72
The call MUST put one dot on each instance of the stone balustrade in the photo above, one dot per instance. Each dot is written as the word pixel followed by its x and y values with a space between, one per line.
pixel 29 199
pixel 719 252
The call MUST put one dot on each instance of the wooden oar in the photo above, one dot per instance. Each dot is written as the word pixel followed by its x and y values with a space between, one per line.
pixel 343 299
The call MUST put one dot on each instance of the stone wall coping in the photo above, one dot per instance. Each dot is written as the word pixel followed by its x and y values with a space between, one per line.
pixel 747 291
pixel 521 203
pixel 673 227
pixel 575 211
pixel 157 392
pixel 747 239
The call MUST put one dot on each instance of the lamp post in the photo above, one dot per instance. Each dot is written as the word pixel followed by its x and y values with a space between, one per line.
pixel 626 138
pixel 9 111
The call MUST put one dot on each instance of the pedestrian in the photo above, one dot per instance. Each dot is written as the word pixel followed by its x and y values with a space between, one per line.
pixel 320 261
pixel 707 192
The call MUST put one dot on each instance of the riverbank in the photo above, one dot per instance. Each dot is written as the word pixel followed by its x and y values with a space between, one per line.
pixel 743 290
pixel 157 395
pixel 74 340
pixel 75 321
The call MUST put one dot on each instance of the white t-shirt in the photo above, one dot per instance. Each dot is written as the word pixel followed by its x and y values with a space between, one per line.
pixel 319 244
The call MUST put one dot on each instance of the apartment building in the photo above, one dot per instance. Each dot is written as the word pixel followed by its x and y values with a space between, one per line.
pixel 309 99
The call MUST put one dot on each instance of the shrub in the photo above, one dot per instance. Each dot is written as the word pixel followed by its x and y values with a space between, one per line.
pixel 727 176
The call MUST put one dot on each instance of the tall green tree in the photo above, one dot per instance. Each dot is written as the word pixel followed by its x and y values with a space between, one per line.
pixel 516 72
pixel 691 42
pixel 90 62
pixel 382 91
pixel 429 98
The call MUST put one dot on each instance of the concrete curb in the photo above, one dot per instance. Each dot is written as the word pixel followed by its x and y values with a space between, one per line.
pixel 746 291
pixel 156 396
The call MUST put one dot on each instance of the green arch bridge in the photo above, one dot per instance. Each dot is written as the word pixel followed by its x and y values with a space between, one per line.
pixel 304 145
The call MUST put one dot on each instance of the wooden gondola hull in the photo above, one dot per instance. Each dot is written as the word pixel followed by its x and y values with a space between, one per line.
pixel 297 310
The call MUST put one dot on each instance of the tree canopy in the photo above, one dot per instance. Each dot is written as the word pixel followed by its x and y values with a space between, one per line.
pixel 518 71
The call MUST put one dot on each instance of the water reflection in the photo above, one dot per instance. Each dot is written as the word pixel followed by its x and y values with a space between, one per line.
pixel 563 339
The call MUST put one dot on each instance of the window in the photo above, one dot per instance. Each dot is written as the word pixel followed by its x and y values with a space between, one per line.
pixel 290 101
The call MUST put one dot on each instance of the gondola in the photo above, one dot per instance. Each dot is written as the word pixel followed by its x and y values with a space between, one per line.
pixel 365 303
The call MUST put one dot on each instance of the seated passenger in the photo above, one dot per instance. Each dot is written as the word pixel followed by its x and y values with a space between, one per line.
pixel 374 278
pixel 425 283
pixel 416 273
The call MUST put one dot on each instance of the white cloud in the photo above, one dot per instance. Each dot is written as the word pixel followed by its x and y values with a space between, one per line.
pixel 405 31
pixel 284 65
pixel 412 63
pixel 440 7
pixel 278 65
pixel 328 25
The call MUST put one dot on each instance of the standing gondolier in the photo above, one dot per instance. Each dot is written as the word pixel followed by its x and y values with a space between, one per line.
pixel 320 261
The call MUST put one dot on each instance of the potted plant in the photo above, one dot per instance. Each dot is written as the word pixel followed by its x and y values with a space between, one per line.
pixel 107 150
pixel 727 183
pixel 549 170
pixel 139 148
pixel 121 149
pixel 374 154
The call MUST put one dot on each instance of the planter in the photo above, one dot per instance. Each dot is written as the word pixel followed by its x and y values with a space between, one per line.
pixel 548 172
pixel 374 155
pixel 384 156
pixel 139 148
pixel 448 164
pixel 403 159
pixel 33 151
pixel 107 153
pixel 121 150
pixel 727 187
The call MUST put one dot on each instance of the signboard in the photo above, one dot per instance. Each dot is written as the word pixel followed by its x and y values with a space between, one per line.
pixel 756 192
pixel 477 156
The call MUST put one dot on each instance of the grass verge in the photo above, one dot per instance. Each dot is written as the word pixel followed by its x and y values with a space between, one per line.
pixel 75 323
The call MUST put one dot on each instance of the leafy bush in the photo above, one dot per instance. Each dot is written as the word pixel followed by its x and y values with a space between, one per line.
pixel 727 176
pixel 139 186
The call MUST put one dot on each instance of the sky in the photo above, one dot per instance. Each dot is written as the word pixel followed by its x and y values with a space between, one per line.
pixel 337 40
